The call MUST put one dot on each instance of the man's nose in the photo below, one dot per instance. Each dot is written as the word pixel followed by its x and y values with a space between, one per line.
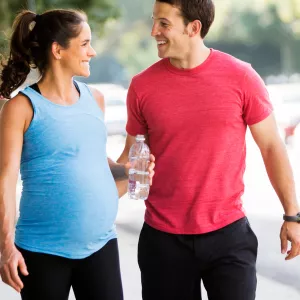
pixel 155 30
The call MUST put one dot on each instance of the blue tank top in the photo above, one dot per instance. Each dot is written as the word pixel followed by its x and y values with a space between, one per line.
pixel 69 199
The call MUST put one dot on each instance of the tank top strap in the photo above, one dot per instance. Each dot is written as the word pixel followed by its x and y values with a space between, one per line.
pixel 33 97
pixel 88 99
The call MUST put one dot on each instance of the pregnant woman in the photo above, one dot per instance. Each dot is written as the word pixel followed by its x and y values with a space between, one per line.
pixel 53 132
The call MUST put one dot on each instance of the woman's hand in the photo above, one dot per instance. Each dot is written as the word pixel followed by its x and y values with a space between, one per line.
pixel 11 261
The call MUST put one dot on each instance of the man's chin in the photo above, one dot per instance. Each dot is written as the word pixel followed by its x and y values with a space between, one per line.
pixel 162 55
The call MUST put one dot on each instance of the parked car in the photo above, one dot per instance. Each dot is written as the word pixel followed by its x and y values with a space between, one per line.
pixel 286 102
pixel 115 107
pixel 290 131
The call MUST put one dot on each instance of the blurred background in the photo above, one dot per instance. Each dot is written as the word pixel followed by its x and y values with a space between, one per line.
pixel 265 33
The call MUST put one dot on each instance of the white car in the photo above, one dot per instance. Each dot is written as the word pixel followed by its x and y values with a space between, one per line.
pixel 286 102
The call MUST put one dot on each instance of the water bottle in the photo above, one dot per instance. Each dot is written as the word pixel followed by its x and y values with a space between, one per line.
pixel 139 157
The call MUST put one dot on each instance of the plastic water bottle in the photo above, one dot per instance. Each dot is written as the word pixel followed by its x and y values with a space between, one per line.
pixel 139 157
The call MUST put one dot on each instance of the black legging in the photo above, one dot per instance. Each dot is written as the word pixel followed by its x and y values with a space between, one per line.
pixel 96 277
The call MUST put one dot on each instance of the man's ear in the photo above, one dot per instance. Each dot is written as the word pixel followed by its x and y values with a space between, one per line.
pixel 56 50
pixel 194 28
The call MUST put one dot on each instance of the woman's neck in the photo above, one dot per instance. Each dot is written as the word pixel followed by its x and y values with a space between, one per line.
pixel 58 88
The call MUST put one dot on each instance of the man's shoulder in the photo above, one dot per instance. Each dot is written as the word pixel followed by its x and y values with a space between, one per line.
pixel 232 62
pixel 152 70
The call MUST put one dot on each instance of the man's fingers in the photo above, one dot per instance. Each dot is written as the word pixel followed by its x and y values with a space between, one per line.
pixel 295 250
pixel 151 166
pixel 284 245
pixel 284 241
pixel 151 176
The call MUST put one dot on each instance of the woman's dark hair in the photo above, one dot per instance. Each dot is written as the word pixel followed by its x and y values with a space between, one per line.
pixel 31 42
pixel 191 10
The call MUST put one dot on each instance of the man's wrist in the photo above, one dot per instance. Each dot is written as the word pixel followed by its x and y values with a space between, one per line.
pixel 292 218
pixel 119 172
pixel 292 209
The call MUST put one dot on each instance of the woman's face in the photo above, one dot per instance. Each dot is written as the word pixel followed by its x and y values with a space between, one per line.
pixel 77 56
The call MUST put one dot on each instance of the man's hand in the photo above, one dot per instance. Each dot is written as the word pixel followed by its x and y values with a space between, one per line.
pixel 11 261
pixel 151 168
pixel 290 231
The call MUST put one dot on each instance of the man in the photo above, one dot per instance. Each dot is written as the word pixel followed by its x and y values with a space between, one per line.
pixel 194 106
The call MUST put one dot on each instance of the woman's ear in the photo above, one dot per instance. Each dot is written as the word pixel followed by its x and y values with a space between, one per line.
pixel 56 50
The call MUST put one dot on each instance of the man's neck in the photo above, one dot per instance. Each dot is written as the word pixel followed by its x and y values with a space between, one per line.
pixel 194 59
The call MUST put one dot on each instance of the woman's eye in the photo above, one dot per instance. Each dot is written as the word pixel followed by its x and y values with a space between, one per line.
pixel 164 24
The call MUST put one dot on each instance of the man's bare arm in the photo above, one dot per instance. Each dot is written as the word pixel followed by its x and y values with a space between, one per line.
pixel 280 174
pixel 277 163
pixel 119 171
pixel 130 140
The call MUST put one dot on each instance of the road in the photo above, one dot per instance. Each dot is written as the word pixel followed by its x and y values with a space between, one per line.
pixel 277 279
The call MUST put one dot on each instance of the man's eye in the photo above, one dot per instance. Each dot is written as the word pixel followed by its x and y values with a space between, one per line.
pixel 164 24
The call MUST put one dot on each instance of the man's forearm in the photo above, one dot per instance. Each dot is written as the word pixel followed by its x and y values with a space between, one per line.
pixel 120 174
pixel 281 176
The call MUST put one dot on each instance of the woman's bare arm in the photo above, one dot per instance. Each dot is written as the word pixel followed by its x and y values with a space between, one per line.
pixel 15 118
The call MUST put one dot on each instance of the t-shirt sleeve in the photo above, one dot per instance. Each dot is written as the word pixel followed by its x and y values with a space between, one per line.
pixel 257 104
pixel 136 123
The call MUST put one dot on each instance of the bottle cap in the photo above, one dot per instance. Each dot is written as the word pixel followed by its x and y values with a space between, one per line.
pixel 140 137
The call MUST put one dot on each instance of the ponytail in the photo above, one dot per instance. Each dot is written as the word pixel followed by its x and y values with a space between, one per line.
pixel 17 67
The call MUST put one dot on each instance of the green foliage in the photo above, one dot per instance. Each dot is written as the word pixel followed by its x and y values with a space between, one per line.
pixel 135 10
pixel 137 50
pixel 99 11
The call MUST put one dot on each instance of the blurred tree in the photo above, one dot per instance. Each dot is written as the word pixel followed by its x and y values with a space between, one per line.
pixel 128 39
pixel 99 12
pixel 267 26
pixel 134 10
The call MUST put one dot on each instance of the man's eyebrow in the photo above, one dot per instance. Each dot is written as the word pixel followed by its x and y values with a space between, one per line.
pixel 161 19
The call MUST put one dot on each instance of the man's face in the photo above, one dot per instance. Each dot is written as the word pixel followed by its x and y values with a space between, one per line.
pixel 169 31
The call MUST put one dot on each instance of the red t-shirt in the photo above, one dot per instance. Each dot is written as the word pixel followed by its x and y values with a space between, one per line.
pixel 196 121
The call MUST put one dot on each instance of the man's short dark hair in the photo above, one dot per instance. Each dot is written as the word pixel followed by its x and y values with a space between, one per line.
pixel 191 10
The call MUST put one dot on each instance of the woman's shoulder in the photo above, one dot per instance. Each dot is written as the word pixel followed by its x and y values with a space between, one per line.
pixel 98 97
pixel 18 107
pixel 20 101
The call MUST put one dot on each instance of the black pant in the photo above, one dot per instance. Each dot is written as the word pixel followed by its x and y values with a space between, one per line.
pixel 96 277
pixel 172 265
